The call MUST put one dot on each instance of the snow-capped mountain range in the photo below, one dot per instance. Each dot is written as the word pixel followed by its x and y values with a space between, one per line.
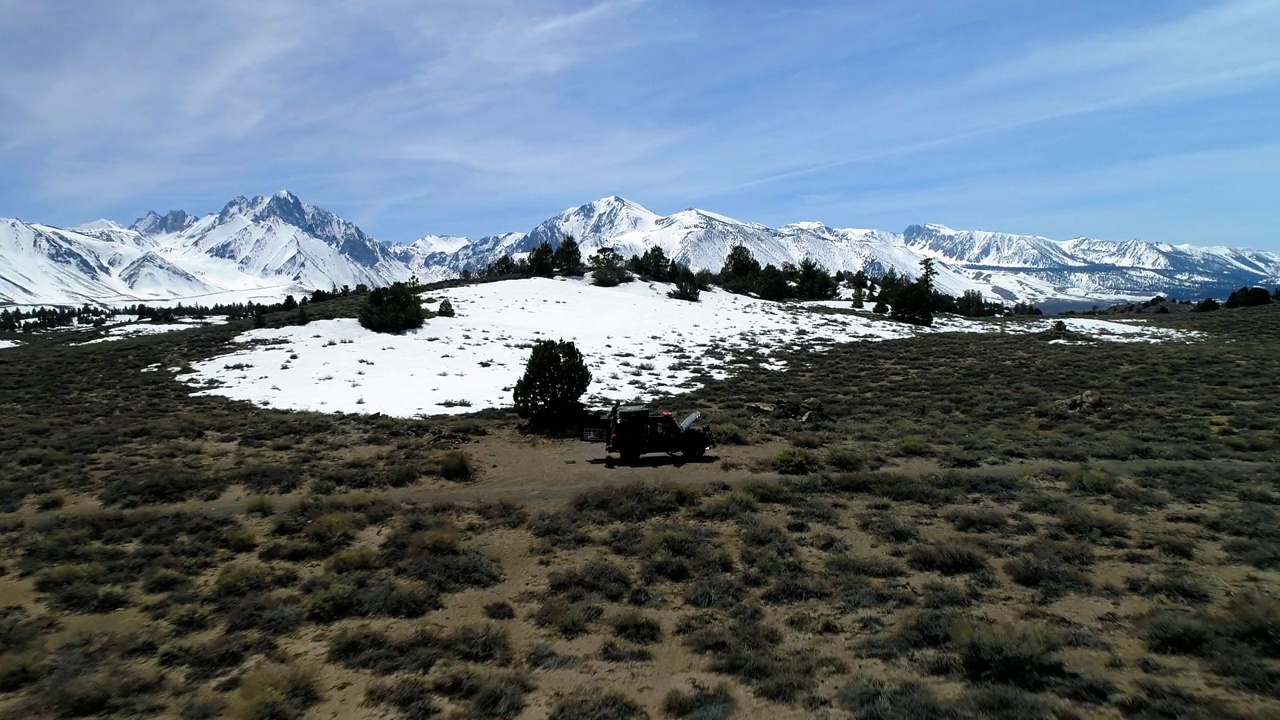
pixel 266 247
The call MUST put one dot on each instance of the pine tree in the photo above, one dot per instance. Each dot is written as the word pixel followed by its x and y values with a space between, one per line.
pixel 555 378
pixel 771 284
pixel 686 285
pixel 568 257
pixel 607 269
pixel 501 267
pixel 913 302
pixel 542 261
pixel 445 309
pixel 1249 297
pixel 739 272
pixel 972 304
pixel 813 282
pixel 654 265
pixel 391 310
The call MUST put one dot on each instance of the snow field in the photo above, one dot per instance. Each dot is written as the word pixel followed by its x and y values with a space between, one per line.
pixel 137 329
pixel 637 342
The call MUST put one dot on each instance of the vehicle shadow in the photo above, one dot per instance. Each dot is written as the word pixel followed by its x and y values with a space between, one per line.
pixel 651 461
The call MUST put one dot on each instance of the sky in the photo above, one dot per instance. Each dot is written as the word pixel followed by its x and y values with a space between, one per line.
pixel 1157 120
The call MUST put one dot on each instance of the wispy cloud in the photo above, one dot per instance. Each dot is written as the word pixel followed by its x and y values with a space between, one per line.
pixel 486 115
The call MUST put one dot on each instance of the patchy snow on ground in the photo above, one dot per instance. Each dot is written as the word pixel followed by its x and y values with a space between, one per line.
pixel 9 344
pixel 136 329
pixel 637 342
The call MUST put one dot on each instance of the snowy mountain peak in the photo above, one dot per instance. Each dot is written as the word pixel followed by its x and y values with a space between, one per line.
pixel 278 244
pixel 153 223
pixel 593 223
pixel 100 225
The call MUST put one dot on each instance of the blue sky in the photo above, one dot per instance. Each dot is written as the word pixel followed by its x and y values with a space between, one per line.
pixel 1158 120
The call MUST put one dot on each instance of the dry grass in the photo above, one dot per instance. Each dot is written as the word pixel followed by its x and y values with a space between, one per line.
pixel 973 548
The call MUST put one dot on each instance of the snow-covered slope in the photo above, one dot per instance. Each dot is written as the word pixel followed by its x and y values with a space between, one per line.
pixel 1000 265
pixel 471 361
pixel 277 245
pixel 253 248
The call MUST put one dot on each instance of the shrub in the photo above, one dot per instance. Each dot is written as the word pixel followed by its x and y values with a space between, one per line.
pixel 367 649
pixel 597 704
pixel 637 628
pixel 391 310
pixel 889 528
pixel 50 501
pixel 700 703
pixel 242 579
pixel 261 506
pixel 410 696
pixel 850 460
pixel 807 440
pixel 945 595
pixel 1157 700
pixel 729 434
pixel 749 650
pixel 874 567
pixel 163 580
pixel 978 520
pixel 874 698
pixel 1014 654
pixel 554 379
pixel 427 549
pixel 1093 523
pixel 595 580
pixel 445 309
pixel 732 506
pixel 633 502
pixel 276 692
pixel 491 696
pixel 796 461
pixel 499 611
pixel 1178 586
pixel 479 643
pixel 455 465
pixel 612 651
pixel 947 558
pixel 570 619
pixel 544 657
pixel 913 446
pixel 1172 544
pixel 1047 573
pixel 714 591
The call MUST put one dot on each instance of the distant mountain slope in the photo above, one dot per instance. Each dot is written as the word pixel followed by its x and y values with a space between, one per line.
pixel 1000 265
pixel 278 244
pixel 275 243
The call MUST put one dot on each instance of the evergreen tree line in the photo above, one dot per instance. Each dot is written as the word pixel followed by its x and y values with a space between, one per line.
pixel 903 298
pixel 913 300
pixel 47 318
pixel 608 268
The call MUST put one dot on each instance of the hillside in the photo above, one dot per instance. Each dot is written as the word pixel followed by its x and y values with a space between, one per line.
pixel 926 526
